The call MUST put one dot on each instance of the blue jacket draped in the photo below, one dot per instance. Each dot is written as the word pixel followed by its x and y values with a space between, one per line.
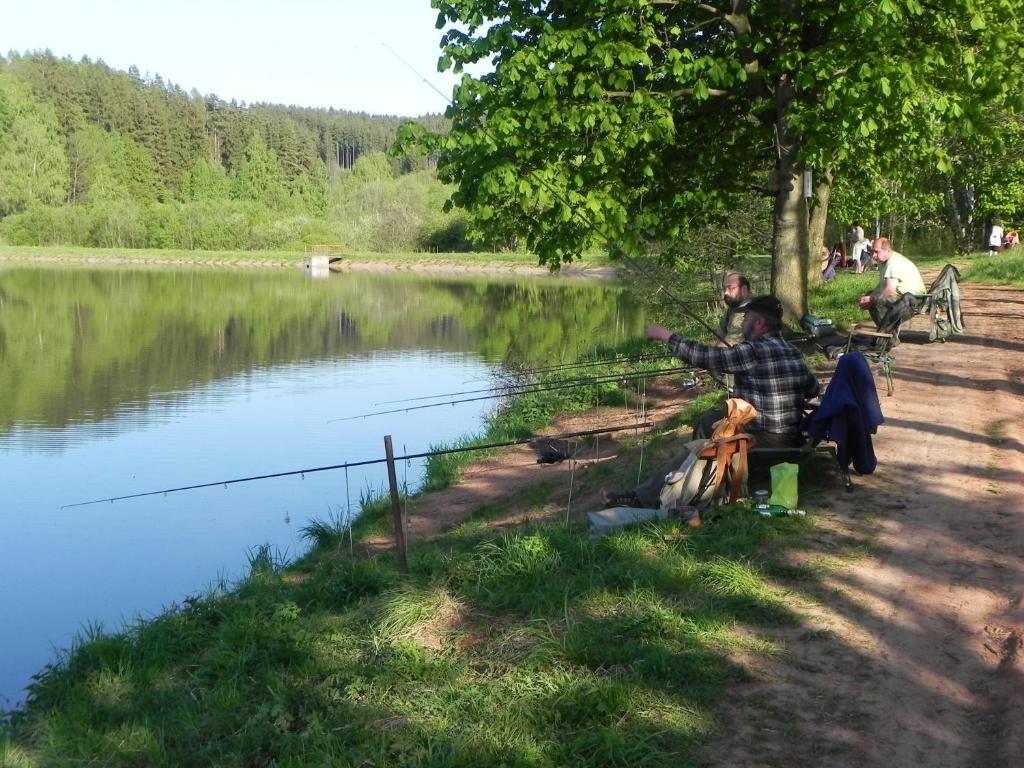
pixel 849 414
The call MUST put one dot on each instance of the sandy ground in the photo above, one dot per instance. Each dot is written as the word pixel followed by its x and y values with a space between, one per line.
pixel 909 654
pixel 912 654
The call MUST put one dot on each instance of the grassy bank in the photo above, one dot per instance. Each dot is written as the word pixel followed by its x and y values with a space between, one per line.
pixel 838 299
pixel 541 647
pixel 266 258
pixel 1005 268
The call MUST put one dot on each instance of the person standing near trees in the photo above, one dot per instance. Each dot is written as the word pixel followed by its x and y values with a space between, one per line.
pixel 995 238
pixel 736 295
pixel 897 276
pixel 858 247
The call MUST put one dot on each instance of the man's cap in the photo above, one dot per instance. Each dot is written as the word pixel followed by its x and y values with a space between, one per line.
pixel 768 306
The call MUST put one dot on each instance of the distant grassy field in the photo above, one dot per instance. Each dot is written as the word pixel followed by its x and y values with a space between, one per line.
pixel 268 258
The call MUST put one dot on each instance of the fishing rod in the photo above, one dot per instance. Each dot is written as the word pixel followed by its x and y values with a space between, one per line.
pixel 624 360
pixel 635 264
pixel 348 465
pixel 511 371
pixel 597 380
pixel 525 389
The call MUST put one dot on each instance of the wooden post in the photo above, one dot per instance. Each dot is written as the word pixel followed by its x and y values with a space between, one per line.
pixel 396 508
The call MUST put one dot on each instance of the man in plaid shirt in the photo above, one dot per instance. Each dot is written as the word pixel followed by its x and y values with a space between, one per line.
pixel 770 373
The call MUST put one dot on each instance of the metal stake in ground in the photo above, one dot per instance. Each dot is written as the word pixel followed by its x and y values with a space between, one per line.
pixel 396 508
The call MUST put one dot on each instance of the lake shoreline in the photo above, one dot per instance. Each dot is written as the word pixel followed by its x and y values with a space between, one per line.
pixel 439 264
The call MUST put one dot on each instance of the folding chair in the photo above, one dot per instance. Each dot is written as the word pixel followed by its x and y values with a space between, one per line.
pixel 879 353
pixel 942 305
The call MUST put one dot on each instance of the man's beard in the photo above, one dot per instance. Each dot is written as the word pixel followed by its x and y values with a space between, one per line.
pixel 732 302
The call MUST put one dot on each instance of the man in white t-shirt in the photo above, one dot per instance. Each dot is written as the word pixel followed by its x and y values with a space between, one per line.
pixel 897 275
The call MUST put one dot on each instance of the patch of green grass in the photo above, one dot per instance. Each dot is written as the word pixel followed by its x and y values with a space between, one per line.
pixel 996 430
pixel 537 495
pixel 375 513
pixel 838 299
pixel 329 532
pixel 14 756
pixel 1005 268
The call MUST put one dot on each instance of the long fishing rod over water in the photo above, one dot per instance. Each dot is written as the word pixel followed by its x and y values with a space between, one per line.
pixel 366 463
pixel 512 370
pixel 596 380
pixel 622 360
pixel 634 263
pixel 539 386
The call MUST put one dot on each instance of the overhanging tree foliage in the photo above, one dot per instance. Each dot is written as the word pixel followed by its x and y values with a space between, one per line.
pixel 628 121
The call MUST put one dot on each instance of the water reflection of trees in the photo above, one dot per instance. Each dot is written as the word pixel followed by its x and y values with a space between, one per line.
pixel 79 344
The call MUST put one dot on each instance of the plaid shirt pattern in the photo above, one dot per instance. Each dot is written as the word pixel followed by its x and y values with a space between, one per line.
pixel 770 374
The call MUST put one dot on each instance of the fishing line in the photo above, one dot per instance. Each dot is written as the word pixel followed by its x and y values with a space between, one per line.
pixel 525 389
pixel 393 52
pixel 643 358
pixel 346 465
pixel 643 437
pixel 572 477
pixel 512 371
pixel 405 491
pixel 605 380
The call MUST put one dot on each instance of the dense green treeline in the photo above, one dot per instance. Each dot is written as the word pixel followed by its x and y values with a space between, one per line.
pixel 98 157
pixel 80 344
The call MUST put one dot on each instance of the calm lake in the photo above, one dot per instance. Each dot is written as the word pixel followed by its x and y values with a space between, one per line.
pixel 116 381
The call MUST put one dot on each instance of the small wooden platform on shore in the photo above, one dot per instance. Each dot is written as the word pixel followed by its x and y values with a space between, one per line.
pixel 322 257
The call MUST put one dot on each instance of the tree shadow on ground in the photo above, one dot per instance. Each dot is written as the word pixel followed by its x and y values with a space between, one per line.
pixel 940 378
pixel 1011 444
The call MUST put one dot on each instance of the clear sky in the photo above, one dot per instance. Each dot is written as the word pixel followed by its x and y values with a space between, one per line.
pixel 312 53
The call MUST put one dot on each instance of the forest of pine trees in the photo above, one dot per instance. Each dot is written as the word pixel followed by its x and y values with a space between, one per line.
pixel 94 156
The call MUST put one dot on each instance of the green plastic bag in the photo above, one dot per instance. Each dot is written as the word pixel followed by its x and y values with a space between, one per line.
pixel 784 485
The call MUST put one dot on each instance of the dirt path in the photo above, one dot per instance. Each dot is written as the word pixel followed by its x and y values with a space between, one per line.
pixel 912 655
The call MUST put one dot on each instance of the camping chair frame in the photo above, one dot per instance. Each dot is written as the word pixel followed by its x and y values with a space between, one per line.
pixel 881 354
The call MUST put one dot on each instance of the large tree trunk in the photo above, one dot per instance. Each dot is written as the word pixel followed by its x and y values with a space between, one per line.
pixel 789 236
pixel 816 225
pixel 960 214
